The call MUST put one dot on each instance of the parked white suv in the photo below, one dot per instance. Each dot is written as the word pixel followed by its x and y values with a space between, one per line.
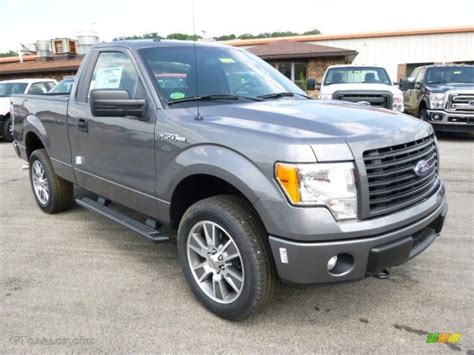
pixel 20 86
pixel 367 85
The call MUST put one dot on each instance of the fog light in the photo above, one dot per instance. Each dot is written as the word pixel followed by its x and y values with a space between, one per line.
pixel 332 263
pixel 436 117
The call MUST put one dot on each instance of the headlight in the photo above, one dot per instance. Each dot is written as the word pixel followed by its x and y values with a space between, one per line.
pixel 331 185
pixel 325 96
pixel 398 103
pixel 436 101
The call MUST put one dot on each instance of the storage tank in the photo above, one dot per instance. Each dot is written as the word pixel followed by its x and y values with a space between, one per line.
pixel 43 50
pixel 85 41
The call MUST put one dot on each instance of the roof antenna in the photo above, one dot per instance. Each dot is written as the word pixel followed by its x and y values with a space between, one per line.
pixel 198 116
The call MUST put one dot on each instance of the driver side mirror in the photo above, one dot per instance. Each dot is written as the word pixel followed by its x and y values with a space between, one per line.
pixel 115 103
pixel 406 84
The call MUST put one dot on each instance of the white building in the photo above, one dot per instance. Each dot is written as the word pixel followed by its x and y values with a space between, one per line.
pixel 398 51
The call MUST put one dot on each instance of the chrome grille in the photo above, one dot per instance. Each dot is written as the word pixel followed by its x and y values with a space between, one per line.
pixel 392 181
pixel 461 102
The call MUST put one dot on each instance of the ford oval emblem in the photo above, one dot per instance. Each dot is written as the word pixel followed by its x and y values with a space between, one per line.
pixel 363 103
pixel 471 103
pixel 422 167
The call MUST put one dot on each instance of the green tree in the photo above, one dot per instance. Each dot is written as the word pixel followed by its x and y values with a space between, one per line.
pixel 152 35
pixel 312 32
pixel 183 37
pixel 225 37
pixel 10 53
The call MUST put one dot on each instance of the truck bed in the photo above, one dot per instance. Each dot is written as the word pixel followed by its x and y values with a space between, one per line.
pixel 43 113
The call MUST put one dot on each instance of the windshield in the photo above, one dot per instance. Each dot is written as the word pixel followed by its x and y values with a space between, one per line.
pixel 9 89
pixel 219 71
pixel 64 86
pixel 357 75
pixel 450 75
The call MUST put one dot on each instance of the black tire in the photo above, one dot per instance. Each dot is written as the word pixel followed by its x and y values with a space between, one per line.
pixel 60 190
pixel 7 130
pixel 423 115
pixel 240 220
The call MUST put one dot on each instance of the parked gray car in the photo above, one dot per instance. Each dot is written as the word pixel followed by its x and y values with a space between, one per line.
pixel 262 182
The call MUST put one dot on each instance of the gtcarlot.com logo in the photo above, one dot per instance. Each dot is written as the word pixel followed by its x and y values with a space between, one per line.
pixel 28 340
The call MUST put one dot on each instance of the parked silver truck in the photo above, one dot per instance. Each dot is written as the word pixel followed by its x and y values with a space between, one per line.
pixel 262 182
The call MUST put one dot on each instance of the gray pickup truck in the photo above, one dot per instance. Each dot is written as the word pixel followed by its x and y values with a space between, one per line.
pixel 262 182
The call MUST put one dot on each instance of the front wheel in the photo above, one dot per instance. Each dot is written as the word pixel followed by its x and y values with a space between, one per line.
pixel 423 115
pixel 225 258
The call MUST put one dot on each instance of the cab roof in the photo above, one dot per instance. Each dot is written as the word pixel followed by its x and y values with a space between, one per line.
pixel 156 43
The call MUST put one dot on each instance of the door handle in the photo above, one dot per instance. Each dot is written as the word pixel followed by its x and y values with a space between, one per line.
pixel 82 125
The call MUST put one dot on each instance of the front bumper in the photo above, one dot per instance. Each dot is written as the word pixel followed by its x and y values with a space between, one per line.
pixel 307 263
pixel 444 121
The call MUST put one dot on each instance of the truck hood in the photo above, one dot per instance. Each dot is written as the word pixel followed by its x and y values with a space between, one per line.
pixel 4 105
pixel 311 119
pixel 451 86
pixel 331 89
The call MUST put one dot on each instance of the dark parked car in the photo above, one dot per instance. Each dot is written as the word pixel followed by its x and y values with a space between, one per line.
pixel 260 180
pixel 442 95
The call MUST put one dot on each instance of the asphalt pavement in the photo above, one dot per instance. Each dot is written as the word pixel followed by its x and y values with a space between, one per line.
pixel 76 281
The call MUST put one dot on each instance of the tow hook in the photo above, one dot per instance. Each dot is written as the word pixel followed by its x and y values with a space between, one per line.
pixel 383 275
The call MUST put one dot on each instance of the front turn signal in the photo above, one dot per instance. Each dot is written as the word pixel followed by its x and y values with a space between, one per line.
pixel 287 177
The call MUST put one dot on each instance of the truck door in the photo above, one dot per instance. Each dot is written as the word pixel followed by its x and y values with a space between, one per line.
pixel 114 156
pixel 408 93
pixel 417 91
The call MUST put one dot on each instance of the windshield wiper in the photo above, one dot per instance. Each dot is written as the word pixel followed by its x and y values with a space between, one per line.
pixel 215 97
pixel 277 95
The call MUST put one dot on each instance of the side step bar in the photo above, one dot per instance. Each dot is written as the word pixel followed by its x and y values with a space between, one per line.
pixel 141 228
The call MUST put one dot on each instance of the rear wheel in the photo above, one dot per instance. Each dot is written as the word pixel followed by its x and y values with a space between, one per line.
pixel 8 130
pixel 225 258
pixel 52 193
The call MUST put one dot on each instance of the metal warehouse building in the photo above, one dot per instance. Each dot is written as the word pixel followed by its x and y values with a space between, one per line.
pixel 398 51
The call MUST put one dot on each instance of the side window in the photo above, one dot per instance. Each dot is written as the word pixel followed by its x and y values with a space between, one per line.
pixel 38 88
pixel 115 70
pixel 420 76
pixel 414 74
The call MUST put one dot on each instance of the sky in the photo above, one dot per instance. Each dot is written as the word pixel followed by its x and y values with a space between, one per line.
pixel 25 21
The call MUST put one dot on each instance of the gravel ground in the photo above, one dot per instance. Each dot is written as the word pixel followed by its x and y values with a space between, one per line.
pixel 87 284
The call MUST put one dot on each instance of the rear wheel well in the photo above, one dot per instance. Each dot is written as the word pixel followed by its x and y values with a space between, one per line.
pixel 195 188
pixel 32 143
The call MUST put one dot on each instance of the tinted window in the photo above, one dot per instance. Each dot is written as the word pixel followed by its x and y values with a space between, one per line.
pixel 420 76
pixel 181 72
pixel 8 89
pixel 450 75
pixel 415 73
pixel 115 70
pixel 357 75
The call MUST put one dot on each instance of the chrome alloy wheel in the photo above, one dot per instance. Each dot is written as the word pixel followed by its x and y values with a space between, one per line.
pixel 215 262
pixel 40 182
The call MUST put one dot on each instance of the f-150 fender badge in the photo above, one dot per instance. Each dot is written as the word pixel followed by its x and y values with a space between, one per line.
pixel 170 137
